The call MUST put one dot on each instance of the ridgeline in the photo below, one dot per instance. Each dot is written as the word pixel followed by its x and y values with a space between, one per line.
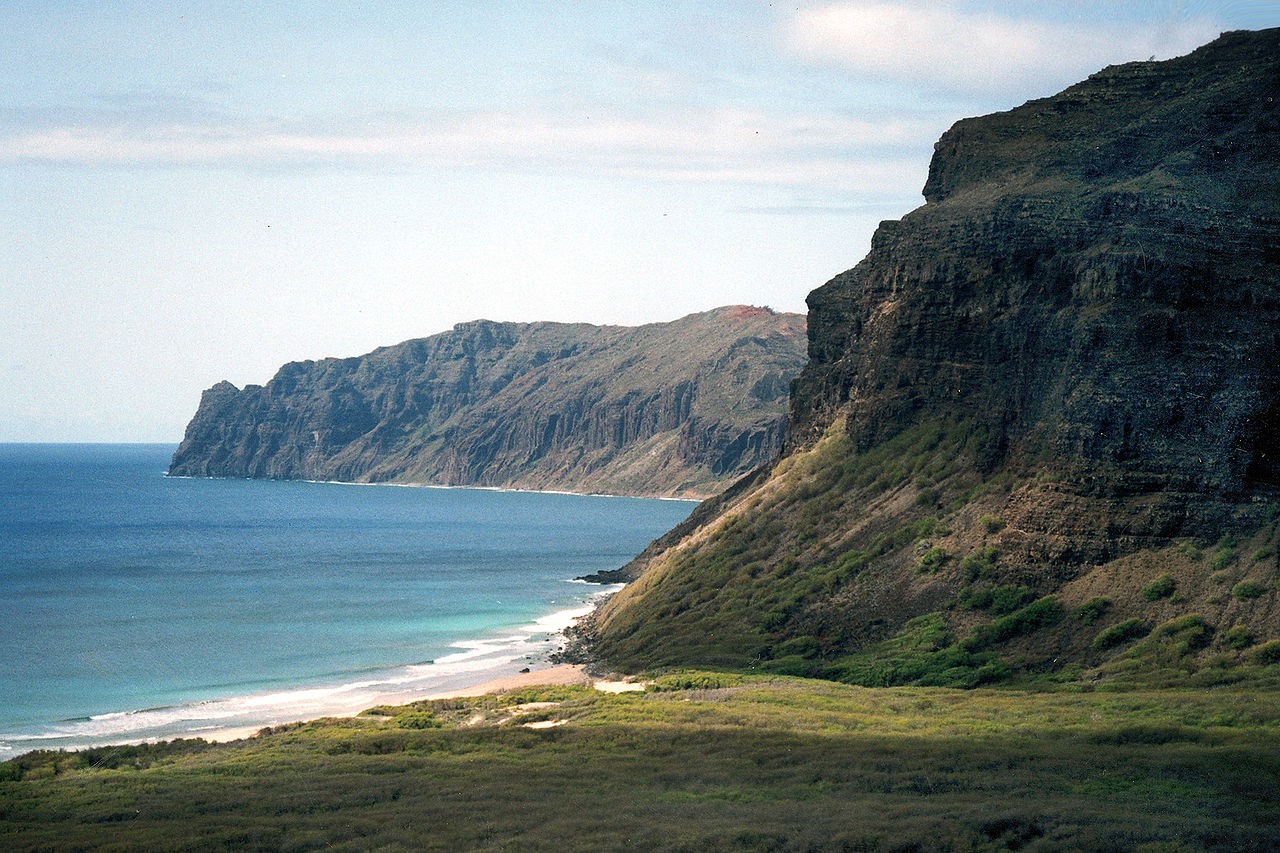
pixel 679 409
pixel 1038 436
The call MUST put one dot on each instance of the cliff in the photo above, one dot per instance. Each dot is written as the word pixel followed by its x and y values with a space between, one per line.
pixel 1050 387
pixel 669 409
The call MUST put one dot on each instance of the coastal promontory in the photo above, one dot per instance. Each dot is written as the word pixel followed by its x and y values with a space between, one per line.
pixel 678 409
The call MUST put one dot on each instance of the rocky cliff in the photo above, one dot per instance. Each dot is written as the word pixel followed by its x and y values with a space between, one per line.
pixel 1055 383
pixel 671 409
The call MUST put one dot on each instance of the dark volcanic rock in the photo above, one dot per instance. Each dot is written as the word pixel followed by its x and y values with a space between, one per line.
pixel 1034 384
pixel 1092 284
pixel 679 408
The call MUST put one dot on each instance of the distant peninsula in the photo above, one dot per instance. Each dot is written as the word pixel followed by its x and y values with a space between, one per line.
pixel 678 409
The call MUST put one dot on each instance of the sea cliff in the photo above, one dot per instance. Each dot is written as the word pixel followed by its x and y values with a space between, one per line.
pixel 676 409
pixel 1045 407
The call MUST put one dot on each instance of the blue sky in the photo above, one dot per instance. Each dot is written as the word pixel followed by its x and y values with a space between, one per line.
pixel 204 191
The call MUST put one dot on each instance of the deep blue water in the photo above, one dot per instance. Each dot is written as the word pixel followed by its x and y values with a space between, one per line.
pixel 136 605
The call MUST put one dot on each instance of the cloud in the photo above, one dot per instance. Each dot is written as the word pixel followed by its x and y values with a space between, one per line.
pixel 728 146
pixel 944 46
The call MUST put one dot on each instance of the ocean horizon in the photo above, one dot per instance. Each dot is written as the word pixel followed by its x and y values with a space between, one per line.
pixel 139 606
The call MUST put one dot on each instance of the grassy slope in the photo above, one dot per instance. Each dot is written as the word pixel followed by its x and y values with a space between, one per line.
pixel 897 566
pixel 713 762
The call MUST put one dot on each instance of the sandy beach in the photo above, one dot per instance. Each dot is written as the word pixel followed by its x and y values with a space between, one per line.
pixel 560 674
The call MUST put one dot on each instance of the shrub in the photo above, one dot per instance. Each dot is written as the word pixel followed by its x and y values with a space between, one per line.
pixel 975 598
pixel 1190 551
pixel 1000 600
pixel 1248 589
pixel 1129 629
pixel 804 646
pixel 1185 634
pixel 418 720
pixel 991 523
pixel 1039 614
pixel 1092 610
pixel 1268 652
pixel 932 560
pixel 1238 637
pixel 980 563
pixel 694 681
pixel 1221 559
pixel 1006 599
pixel 1161 587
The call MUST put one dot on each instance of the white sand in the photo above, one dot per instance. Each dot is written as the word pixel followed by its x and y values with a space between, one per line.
pixel 562 674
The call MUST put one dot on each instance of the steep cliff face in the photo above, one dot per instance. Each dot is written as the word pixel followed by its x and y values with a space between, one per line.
pixel 680 408
pixel 1067 358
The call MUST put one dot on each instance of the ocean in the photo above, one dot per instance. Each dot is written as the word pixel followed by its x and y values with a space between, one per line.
pixel 137 606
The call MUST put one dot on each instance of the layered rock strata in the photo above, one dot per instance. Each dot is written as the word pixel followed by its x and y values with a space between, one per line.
pixel 1069 356
pixel 669 409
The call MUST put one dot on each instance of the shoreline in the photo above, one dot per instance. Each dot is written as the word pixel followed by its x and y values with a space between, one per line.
pixel 546 634
pixel 557 674
pixel 512 489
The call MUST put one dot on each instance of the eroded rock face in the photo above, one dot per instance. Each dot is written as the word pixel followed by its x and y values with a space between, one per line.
pixel 1061 370
pixel 1093 283
pixel 679 408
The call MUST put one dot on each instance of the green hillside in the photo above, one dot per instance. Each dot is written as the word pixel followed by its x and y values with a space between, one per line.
pixel 1038 436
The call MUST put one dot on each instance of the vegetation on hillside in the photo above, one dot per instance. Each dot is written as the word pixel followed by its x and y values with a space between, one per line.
pixel 702 761
pixel 1038 435
pixel 896 566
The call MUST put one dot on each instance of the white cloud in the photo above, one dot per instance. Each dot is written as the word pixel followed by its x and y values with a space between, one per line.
pixel 728 146
pixel 951 48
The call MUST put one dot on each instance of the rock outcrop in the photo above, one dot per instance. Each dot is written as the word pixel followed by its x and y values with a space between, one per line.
pixel 669 409
pixel 1066 361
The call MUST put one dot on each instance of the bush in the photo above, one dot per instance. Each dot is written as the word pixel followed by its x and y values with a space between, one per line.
pixel 1185 634
pixel 1161 587
pixel 1224 554
pixel 418 720
pixel 1039 614
pixel 1091 611
pixel 1000 600
pixel 1129 629
pixel 1190 551
pixel 1248 589
pixel 694 681
pixel 1238 637
pixel 991 523
pixel 1006 599
pixel 932 560
pixel 979 564
pixel 1268 652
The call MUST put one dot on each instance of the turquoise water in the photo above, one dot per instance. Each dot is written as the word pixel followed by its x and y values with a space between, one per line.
pixel 137 605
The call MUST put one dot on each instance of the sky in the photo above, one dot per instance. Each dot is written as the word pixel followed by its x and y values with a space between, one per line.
pixel 201 191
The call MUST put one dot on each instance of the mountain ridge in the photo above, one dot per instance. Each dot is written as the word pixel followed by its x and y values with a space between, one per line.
pixel 677 409
pixel 1053 385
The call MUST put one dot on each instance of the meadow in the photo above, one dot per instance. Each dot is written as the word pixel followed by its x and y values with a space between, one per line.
pixel 699 761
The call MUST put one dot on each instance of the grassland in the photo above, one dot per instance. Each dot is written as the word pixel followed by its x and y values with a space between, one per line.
pixel 702 761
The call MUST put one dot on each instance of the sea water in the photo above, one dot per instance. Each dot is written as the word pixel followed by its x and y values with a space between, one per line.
pixel 135 605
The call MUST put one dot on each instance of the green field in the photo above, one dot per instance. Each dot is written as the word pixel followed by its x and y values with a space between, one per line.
pixel 700 762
